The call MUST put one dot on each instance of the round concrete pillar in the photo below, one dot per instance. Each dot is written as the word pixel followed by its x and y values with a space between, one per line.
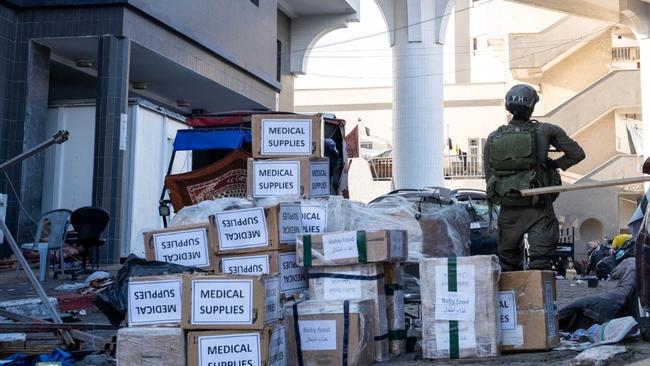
pixel 418 31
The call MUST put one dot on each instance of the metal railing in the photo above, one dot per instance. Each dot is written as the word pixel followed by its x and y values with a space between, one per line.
pixel 456 167
pixel 464 166
pixel 381 168
pixel 626 54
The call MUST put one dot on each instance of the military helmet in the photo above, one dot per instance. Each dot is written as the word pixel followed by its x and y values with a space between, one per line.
pixel 521 100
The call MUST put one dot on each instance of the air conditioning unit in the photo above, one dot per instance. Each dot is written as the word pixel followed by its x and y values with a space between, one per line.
pixel 3 213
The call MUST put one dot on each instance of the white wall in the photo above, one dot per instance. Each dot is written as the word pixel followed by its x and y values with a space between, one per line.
pixel 360 184
pixel 68 173
pixel 67 181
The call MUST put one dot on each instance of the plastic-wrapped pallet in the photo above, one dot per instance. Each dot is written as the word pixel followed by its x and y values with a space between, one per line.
pixel 355 282
pixel 395 308
pixel 460 312
pixel 321 333
pixel 388 214
pixel 446 232
pixel 315 212
pixel 150 347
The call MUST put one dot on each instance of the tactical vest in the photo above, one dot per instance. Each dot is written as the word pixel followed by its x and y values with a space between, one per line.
pixel 514 166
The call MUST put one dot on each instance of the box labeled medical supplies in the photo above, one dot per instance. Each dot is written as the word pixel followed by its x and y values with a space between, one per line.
pixel 298 218
pixel 284 135
pixel 230 301
pixel 291 177
pixel 351 247
pixel 528 317
pixel 150 346
pixel 155 301
pixel 293 278
pixel 266 347
pixel 355 282
pixel 190 245
pixel 460 307
pixel 323 332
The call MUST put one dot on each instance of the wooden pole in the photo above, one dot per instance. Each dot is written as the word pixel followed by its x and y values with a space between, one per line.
pixel 580 186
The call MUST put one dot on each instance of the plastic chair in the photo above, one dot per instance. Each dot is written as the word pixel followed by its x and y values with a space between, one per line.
pixel 56 222
pixel 89 223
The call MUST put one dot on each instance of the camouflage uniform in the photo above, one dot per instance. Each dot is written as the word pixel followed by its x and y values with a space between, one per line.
pixel 539 222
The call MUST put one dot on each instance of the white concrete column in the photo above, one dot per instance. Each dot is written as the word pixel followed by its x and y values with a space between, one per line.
pixel 644 45
pixel 418 90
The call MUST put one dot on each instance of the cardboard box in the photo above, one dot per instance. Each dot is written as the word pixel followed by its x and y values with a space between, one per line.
pixel 247 230
pixel 293 279
pixel 395 312
pixel 230 301
pixel 150 346
pixel 155 301
pixel 351 247
pixel 284 135
pixel 292 177
pixel 460 307
pixel 297 218
pixel 266 347
pixel 190 245
pixel 322 332
pixel 355 282
pixel 529 319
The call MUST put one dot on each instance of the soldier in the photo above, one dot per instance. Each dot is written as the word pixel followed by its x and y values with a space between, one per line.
pixel 516 158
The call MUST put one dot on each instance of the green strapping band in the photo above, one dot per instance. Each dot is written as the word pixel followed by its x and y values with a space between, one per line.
pixel 390 288
pixel 452 284
pixel 306 250
pixel 361 246
pixel 397 335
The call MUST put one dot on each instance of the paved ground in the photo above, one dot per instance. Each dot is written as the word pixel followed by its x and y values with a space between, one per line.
pixel 16 286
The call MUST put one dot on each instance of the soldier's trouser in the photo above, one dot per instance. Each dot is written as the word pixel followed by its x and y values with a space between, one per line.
pixel 543 234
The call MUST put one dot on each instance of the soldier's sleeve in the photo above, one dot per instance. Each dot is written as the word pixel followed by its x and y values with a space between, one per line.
pixel 573 153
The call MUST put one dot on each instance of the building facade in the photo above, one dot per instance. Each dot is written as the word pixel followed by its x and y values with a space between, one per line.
pixel 122 75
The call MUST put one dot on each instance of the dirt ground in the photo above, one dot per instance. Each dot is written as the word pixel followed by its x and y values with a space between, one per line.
pixel 16 286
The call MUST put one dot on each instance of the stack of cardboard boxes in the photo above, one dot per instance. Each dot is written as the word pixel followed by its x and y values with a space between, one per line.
pixel 344 267
pixel 288 157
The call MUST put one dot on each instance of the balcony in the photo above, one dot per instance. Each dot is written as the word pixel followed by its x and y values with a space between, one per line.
pixel 464 167
pixel 623 54
pixel 381 168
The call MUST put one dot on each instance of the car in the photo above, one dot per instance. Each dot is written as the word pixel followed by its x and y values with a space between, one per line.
pixel 483 236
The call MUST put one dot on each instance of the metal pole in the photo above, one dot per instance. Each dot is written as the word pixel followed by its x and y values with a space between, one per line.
pixel 59 138
pixel 580 186
pixel 37 286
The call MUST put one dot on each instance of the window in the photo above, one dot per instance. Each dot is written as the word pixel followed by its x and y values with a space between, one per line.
pixel 473 147
pixel 365 145
pixel 256 2
pixel 278 70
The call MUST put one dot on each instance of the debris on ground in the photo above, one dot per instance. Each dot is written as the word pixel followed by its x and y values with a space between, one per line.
pixel 611 332
pixel 597 356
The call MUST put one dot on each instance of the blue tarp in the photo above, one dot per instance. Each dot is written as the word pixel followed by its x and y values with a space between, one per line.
pixel 201 139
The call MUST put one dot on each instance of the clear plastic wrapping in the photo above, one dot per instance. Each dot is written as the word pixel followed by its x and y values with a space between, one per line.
pixel 322 332
pixel 358 282
pixel 199 213
pixel 395 312
pixel 150 347
pixel 460 314
pixel 390 213
pixel 446 232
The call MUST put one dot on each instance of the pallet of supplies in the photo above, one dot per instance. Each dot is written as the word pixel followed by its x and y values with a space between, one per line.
pixel 155 301
pixel 189 245
pixel 226 301
pixel 293 278
pixel 446 232
pixel 323 333
pixel 355 282
pixel 287 135
pixel 290 177
pixel 150 346
pixel 395 312
pixel 265 347
pixel 351 247
pixel 529 319
pixel 460 307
